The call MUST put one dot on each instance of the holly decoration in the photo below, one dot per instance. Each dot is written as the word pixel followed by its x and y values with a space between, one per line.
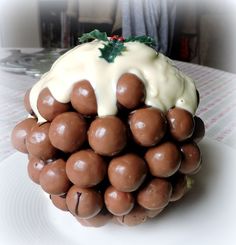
pixel 111 50
pixel 114 45
pixel 95 34
pixel 142 39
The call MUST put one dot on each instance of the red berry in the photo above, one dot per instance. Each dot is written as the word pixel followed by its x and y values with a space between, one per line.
pixel 114 37
pixel 121 39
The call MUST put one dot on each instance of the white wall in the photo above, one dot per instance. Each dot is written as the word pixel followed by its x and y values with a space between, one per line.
pixel 19 23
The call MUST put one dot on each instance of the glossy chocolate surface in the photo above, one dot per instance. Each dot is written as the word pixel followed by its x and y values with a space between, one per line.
pixel 148 126
pixel 117 202
pixel 126 173
pixel 153 213
pixel 181 123
pixel 68 131
pixel 155 194
pixel 48 106
pixel 85 168
pixel 130 91
pixel 38 143
pixel 83 98
pixel 179 187
pixel 20 132
pixel 53 178
pixel 99 220
pixel 84 203
pixel 137 216
pixel 59 202
pixel 191 159
pixel 35 166
pixel 163 160
pixel 107 135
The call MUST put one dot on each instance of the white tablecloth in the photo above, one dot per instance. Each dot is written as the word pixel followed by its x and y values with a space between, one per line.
pixel 217 106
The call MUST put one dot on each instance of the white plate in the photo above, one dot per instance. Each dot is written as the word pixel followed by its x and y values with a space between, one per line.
pixel 205 216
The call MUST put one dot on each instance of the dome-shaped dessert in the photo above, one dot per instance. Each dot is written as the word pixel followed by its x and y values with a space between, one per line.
pixel 113 133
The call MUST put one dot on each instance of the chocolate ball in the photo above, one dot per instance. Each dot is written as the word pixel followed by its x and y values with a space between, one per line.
pixel 180 185
pixel 191 159
pixel 34 168
pixel 199 129
pixel 20 132
pixel 163 160
pixel 135 217
pixel 48 106
pixel 84 203
pixel 153 213
pixel 107 135
pixel 59 202
pixel 181 123
pixel 53 178
pixel 27 102
pixel 38 143
pixel 197 169
pixel 68 131
pixel 126 173
pixel 83 98
pixel 155 194
pixel 130 91
pixel 99 220
pixel 148 126
pixel 117 202
pixel 85 168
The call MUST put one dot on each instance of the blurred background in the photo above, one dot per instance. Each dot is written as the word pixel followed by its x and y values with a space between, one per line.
pixel 197 31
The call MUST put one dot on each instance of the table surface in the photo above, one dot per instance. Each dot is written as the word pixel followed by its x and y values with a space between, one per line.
pixel 217 102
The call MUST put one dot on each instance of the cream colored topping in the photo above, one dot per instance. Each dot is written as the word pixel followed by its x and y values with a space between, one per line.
pixel 165 85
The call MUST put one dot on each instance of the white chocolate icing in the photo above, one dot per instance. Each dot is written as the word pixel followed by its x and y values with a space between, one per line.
pixel 165 85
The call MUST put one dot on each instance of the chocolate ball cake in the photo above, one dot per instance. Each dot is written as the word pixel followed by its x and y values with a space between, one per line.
pixel 112 134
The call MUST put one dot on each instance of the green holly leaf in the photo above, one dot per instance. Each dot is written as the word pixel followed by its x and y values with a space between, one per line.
pixel 111 50
pixel 115 45
pixel 142 39
pixel 95 34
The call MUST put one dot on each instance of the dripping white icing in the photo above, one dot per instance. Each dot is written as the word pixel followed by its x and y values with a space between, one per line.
pixel 165 85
